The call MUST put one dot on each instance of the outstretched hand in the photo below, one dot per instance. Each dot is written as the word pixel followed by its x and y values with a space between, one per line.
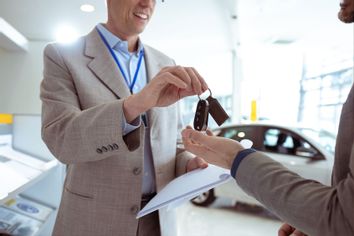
pixel 215 150
pixel 197 162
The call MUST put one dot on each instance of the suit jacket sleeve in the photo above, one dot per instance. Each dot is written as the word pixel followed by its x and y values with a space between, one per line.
pixel 68 131
pixel 311 207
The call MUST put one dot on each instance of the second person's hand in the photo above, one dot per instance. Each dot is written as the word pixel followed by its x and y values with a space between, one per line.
pixel 215 150
pixel 288 230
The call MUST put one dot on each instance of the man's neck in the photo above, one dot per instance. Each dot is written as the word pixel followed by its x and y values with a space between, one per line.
pixel 132 40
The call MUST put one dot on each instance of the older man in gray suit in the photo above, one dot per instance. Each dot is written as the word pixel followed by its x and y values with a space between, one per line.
pixel 308 206
pixel 110 114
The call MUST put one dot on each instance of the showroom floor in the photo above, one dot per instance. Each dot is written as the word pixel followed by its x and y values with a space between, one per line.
pixel 223 218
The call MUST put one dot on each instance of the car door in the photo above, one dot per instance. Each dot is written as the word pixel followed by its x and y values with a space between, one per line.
pixel 295 153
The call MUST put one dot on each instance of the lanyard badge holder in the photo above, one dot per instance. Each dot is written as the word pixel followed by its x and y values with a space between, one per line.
pixel 206 106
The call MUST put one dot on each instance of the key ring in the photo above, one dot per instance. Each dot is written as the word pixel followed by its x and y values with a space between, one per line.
pixel 209 95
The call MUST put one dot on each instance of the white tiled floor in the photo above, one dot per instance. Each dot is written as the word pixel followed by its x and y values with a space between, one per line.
pixel 224 219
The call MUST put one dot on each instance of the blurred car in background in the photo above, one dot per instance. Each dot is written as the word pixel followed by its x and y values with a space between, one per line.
pixel 305 151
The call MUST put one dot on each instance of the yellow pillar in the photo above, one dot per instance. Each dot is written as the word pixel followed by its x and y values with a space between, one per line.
pixel 6 119
pixel 253 110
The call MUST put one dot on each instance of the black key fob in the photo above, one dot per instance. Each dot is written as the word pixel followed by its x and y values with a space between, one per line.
pixel 201 115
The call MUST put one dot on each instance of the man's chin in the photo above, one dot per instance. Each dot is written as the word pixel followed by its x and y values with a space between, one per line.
pixel 346 17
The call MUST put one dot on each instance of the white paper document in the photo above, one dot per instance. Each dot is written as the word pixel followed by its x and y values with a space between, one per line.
pixel 187 187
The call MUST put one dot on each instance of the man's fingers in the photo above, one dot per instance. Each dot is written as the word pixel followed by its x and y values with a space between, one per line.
pixel 172 79
pixel 196 84
pixel 196 163
pixel 285 230
pixel 201 163
pixel 209 132
pixel 298 233
pixel 182 74
pixel 166 68
pixel 202 81
pixel 211 142
pixel 178 73
pixel 185 93
pixel 190 76
pixel 194 148
pixel 199 150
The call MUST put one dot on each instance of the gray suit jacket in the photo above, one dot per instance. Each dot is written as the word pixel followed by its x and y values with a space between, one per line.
pixel 313 208
pixel 82 94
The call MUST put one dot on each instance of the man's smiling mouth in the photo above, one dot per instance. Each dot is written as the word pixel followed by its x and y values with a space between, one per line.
pixel 141 15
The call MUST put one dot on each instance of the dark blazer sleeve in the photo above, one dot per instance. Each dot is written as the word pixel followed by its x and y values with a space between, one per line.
pixel 311 207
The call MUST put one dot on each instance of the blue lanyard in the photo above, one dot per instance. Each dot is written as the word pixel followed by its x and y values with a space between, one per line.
pixel 131 86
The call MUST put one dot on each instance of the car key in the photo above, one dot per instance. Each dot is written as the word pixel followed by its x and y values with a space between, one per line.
pixel 201 115
pixel 216 111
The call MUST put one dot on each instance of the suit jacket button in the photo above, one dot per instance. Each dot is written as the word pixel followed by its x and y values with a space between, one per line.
pixel 110 148
pixel 134 209
pixel 115 146
pixel 104 149
pixel 137 171
pixel 98 150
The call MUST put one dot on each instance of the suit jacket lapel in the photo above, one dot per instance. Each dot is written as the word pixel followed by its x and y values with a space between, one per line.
pixel 106 70
pixel 153 66
pixel 104 66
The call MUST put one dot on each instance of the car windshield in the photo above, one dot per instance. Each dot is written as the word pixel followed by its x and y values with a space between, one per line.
pixel 323 137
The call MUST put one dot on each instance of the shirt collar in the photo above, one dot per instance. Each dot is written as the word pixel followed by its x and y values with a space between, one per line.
pixel 117 44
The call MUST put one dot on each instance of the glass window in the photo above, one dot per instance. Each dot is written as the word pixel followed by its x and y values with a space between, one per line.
pixel 284 142
pixel 323 137
pixel 277 140
pixel 311 84
pixel 271 137
pixel 311 98
pixel 327 81
pixel 322 96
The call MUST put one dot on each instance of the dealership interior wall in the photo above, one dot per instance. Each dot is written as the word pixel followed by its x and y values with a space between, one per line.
pixel 251 50
pixel 292 57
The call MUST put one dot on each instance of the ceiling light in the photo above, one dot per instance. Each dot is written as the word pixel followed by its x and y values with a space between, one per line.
pixel 10 38
pixel 87 8
pixel 66 34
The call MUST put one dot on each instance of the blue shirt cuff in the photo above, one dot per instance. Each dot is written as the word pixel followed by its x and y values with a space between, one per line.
pixel 239 157
pixel 127 128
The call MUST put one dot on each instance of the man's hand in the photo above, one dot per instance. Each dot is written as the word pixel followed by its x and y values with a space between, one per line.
pixel 172 84
pixel 215 150
pixel 288 230
pixel 196 163
pixel 167 87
